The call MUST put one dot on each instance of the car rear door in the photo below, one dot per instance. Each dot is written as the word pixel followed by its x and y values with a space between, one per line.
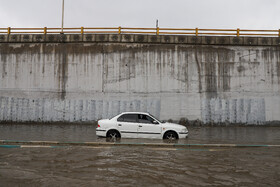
pixel 148 129
pixel 127 125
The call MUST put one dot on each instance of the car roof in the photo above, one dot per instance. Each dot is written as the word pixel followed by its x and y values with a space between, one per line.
pixel 135 113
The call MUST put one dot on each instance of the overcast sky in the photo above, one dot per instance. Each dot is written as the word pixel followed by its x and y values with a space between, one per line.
pixel 244 14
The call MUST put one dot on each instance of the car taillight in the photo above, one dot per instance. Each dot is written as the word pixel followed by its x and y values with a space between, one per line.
pixel 98 125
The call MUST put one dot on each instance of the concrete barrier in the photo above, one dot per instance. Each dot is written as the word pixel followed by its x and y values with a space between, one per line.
pixel 83 78
pixel 139 38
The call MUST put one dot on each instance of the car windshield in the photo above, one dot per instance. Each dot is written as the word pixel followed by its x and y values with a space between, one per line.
pixel 149 114
pixel 156 118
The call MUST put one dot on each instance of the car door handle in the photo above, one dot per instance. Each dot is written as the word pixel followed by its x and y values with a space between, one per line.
pixel 120 124
pixel 140 125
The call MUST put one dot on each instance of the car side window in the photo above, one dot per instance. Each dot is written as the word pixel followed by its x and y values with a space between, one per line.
pixel 142 118
pixel 128 118
pixel 120 118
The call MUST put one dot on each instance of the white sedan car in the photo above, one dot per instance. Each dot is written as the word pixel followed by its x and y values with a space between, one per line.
pixel 139 125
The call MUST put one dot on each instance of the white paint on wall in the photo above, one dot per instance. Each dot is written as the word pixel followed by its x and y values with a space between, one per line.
pixel 42 109
pixel 250 111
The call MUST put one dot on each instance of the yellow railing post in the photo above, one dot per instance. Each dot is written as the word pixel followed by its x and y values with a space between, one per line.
pixel 238 32
pixel 82 30
pixel 9 30
pixel 196 31
pixel 157 30
pixel 120 30
pixel 45 30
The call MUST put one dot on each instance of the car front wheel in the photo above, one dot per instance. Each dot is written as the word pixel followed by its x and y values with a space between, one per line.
pixel 170 136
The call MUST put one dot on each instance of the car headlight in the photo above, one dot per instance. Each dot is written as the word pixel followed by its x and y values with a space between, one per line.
pixel 184 130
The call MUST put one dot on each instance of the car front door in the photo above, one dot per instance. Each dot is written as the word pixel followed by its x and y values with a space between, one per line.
pixel 127 125
pixel 148 128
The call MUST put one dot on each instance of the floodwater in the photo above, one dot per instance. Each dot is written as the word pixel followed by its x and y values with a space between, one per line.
pixel 140 166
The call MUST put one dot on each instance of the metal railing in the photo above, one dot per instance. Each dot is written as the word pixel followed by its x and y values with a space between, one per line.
pixel 129 30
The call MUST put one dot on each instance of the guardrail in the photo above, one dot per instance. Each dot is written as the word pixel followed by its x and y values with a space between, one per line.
pixel 129 30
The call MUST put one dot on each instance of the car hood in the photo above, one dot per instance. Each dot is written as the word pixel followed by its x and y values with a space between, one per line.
pixel 173 125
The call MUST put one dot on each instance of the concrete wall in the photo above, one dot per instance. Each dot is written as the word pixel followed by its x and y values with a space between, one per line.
pixel 85 78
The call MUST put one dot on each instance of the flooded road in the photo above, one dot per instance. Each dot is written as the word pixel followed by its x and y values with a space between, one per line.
pixel 86 133
pixel 140 166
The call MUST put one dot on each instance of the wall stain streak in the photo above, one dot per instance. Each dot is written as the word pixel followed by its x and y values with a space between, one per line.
pixel 62 70
pixel 198 69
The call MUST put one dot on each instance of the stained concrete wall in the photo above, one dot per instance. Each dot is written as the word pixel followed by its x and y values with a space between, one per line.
pixel 85 78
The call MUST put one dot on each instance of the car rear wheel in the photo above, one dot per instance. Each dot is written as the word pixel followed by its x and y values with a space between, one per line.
pixel 113 134
pixel 170 135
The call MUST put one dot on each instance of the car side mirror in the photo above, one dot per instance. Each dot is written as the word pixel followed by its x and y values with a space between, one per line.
pixel 155 122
